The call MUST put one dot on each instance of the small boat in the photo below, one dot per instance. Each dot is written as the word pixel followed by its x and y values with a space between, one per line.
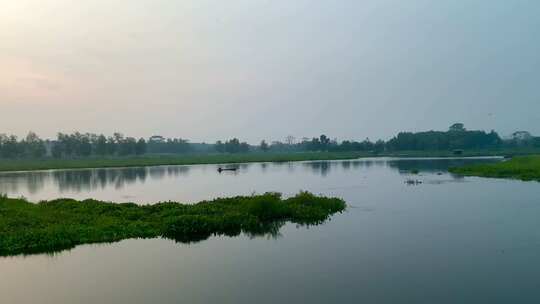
pixel 226 169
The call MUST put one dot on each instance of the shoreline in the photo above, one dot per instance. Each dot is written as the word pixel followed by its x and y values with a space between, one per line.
pixel 524 168
pixel 25 165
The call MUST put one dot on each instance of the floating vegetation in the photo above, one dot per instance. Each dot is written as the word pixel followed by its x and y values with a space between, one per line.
pixel 523 168
pixel 51 226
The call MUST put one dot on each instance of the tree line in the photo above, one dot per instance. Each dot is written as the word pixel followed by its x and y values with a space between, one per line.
pixel 455 138
pixel 231 146
pixel 76 145
pixel 88 144
pixel 30 147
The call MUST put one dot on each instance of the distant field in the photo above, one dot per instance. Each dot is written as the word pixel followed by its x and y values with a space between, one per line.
pixel 466 153
pixel 156 160
pixel 522 167
pixel 193 159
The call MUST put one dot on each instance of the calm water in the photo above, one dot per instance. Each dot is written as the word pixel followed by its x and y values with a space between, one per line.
pixel 447 240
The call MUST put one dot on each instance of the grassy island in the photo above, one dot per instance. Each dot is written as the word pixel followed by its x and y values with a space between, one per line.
pixel 523 168
pixel 50 226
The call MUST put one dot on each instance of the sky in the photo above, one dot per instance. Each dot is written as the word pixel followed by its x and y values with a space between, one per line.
pixel 264 69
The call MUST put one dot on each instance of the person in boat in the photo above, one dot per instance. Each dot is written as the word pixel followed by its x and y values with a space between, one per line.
pixel 226 169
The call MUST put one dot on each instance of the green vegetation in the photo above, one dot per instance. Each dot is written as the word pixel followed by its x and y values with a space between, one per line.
pixel 87 150
pixel 194 159
pixel 466 153
pixel 156 160
pixel 457 140
pixel 523 167
pixel 64 223
pixel 457 137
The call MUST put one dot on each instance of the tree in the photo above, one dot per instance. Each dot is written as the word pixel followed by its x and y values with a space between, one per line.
pixel 127 146
pixel 101 145
pixel 457 127
pixel 111 146
pixel 85 147
pixel 219 146
pixel 290 140
pixel 264 146
pixel 10 146
pixel 379 146
pixel 324 142
pixel 140 147
pixel 33 146
pixel 243 148
pixel 232 146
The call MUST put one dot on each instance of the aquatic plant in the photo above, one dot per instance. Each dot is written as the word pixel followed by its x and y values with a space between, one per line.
pixel 523 168
pixel 59 224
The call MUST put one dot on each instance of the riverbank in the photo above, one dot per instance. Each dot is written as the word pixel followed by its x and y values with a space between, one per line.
pixel 195 159
pixel 56 225
pixel 160 160
pixel 524 168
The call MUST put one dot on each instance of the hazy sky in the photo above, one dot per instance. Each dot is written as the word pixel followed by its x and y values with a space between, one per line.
pixel 208 70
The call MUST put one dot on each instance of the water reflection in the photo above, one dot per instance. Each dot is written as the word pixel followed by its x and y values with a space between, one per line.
pixel 85 180
pixel 268 230
pixel 88 180
pixel 433 165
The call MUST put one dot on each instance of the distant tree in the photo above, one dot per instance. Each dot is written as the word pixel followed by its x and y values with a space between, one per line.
pixel 140 147
pixel 33 146
pixel 127 146
pixel 219 146
pixel 314 145
pixel 10 146
pixel 457 138
pixel 457 127
pixel 159 144
pixel 101 145
pixel 244 147
pixel 85 147
pixel 118 137
pixel 379 146
pixel 232 146
pixel 536 142
pixel 324 142
pixel 290 140
pixel 111 146
pixel 264 146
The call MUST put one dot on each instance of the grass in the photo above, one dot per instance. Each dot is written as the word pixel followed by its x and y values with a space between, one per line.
pixel 523 167
pixel 51 226
pixel 156 160
pixel 193 159
pixel 466 153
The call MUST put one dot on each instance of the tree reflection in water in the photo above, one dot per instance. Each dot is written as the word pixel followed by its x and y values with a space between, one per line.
pixel 95 179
